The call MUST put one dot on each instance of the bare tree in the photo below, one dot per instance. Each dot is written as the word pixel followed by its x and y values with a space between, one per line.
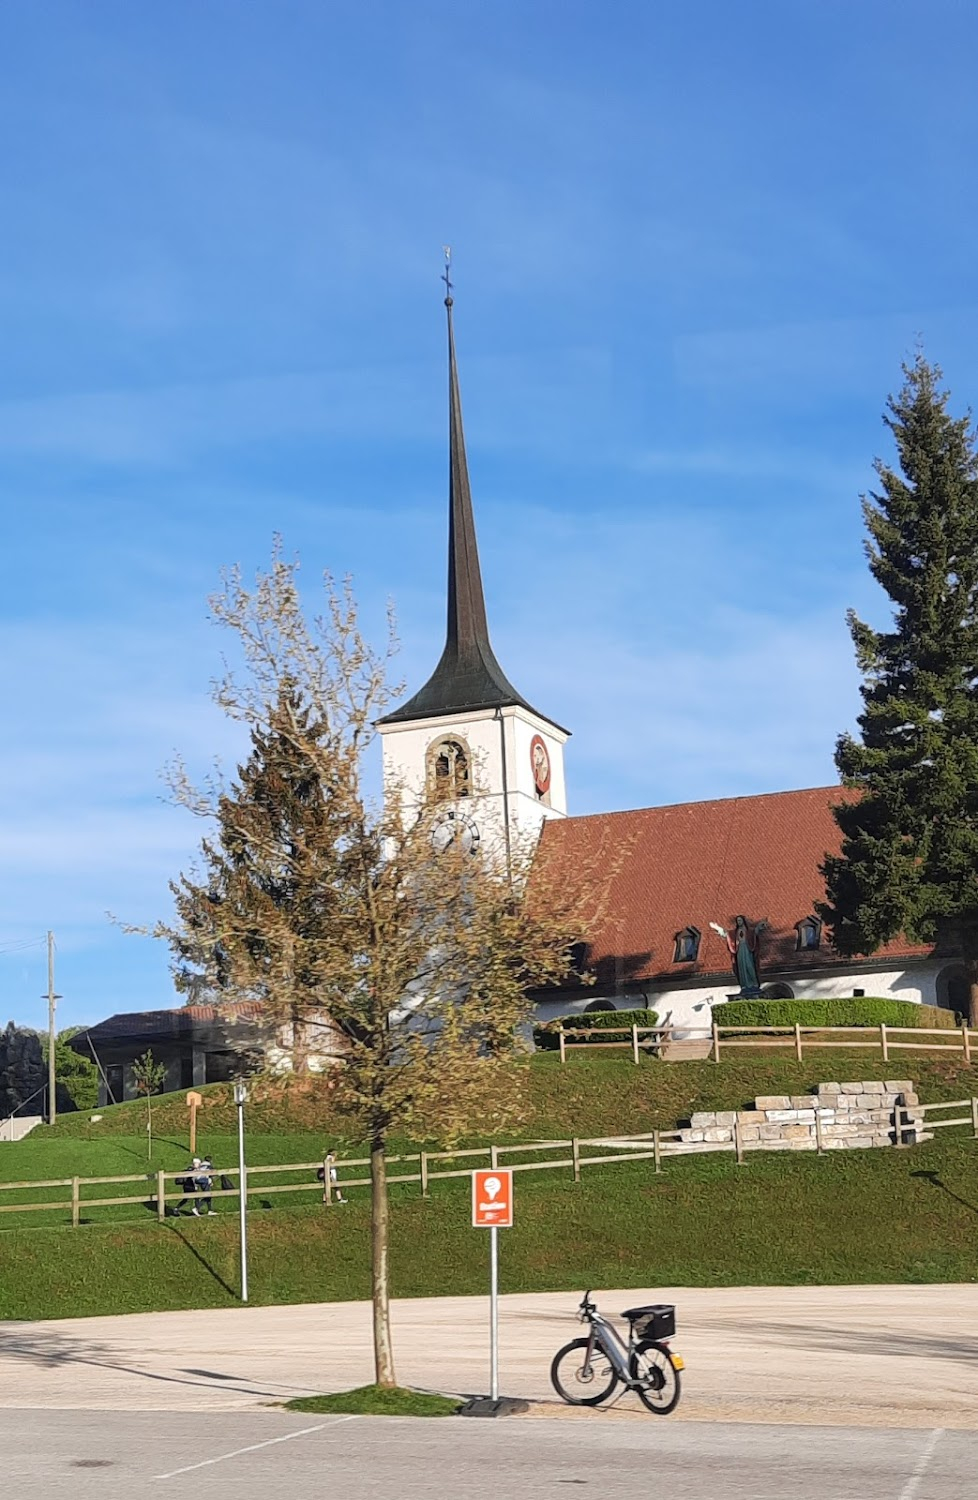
pixel 358 932
pixel 149 1076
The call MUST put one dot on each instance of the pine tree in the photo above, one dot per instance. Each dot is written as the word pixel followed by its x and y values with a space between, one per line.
pixel 909 860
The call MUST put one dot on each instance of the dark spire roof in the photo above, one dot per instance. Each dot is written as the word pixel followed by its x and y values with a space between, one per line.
pixel 468 676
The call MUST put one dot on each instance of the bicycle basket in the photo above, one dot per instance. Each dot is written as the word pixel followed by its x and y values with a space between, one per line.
pixel 655 1322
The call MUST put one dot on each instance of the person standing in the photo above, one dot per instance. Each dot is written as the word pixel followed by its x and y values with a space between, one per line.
pixel 204 1184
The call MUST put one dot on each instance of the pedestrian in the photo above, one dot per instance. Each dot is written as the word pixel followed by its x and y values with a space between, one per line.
pixel 205 1186
pixel 329 1165
pixel 189 1186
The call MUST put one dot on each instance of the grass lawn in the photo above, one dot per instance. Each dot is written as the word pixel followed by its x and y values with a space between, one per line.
pixel 380 1401
pixel 780 1218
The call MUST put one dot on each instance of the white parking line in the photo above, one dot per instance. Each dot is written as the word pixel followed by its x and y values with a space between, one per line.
pixel 913 1483
pixel 253 1448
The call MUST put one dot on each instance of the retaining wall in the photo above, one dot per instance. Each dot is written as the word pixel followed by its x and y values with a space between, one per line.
pixel 837 1117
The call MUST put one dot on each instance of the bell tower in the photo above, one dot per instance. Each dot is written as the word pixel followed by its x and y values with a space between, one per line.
pixel 467 738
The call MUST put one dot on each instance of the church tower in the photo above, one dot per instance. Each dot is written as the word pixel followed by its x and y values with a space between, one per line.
pixel 467 741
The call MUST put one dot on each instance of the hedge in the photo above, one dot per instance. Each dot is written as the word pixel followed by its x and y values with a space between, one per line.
pixel 859 1011
pixel 545 1036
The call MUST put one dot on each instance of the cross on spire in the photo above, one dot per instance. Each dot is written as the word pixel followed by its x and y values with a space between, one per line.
pixel 447 277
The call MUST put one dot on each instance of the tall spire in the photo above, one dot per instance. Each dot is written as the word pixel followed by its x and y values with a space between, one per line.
pixel 468 676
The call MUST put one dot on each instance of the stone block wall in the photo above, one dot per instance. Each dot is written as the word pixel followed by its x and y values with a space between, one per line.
pixel 849 1116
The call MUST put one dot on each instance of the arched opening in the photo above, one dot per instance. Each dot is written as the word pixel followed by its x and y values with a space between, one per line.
pixel 777 992
pixel 449 772
pixel 953 989
pixel 593 1006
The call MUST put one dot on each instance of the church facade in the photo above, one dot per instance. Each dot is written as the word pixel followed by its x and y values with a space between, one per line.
pixel 698 898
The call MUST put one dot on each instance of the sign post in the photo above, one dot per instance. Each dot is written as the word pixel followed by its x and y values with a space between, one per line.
pixel 194 1101
pixel 492 1209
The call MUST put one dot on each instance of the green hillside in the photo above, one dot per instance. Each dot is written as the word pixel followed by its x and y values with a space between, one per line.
pixel 847 1217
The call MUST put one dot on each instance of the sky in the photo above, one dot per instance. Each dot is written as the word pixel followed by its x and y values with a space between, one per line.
pixel 692 244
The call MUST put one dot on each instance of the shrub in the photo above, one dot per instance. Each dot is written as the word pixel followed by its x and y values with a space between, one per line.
pixel 858 1011
pixel 545 1036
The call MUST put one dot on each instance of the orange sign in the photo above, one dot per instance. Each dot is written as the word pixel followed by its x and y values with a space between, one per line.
pixel 492 1198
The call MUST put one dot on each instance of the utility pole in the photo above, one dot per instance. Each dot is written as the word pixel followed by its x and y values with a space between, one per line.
pixel 52 999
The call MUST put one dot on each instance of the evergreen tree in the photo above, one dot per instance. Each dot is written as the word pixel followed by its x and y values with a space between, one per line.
pixel 909 860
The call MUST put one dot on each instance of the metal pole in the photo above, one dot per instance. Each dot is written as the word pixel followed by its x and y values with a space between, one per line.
pixel 52 998
pixel 243 1201
pixel 494 1313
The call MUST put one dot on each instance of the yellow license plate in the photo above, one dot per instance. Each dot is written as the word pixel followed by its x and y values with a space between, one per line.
pixel 678 1361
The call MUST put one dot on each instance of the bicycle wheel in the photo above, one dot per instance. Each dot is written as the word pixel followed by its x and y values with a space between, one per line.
pixel 574 1384
pixel 653 1365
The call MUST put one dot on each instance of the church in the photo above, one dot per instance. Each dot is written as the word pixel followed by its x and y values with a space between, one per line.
pixel 697 884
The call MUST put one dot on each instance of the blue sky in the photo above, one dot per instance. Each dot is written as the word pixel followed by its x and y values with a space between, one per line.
pixel 692 244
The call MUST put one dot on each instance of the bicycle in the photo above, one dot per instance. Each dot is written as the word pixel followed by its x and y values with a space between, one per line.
pixel 645 1364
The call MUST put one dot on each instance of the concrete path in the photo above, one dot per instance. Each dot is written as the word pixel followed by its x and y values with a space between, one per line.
pixel 266 1455
pixel 904 1356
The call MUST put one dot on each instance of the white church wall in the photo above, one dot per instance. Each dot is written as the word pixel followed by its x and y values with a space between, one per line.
pixel 691 1009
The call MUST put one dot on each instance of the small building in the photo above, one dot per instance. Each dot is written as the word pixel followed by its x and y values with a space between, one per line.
pixel 196 1044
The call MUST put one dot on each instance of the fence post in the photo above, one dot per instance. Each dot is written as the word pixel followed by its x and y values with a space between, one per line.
pixel 716 1042
pixel 635 1045
pixel 563 1055
pixel 576 1153
pixel 884 1044
pixel 494 1157
pixel 798 1040
pixel 161 1195
pixel 898 1124
pixel 974 1116
pixel 327 1181
pixel 75 1203
pixel 738 1143
pixel 657 1152
pixel 818 1131
pixel 965 1041
pixel 424 1174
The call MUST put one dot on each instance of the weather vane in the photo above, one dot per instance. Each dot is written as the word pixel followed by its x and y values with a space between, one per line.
pixel 447 278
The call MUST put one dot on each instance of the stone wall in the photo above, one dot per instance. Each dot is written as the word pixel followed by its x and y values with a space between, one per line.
pixel 837 1117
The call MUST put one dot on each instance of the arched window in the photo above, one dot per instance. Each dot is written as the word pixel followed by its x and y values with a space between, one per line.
pixel 809 932
pixel 449 774
pixel 777 992
pixel 597 1007
pixel 687 946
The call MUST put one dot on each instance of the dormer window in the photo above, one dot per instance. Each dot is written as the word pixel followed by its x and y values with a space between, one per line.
pixel 448 771
pixel 809 934
pixel 687 946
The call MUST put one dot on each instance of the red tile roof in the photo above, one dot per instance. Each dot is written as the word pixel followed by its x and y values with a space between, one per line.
pixel 699 862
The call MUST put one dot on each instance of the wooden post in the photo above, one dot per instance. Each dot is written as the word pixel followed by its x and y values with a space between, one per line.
pixel 738 1143
pixel 798 1041
pixel 635 1045
pixel 494 1157
pixel 327 1179
pixel 716 1042
pixel 161 1195
pixel 75 1203
pixel 194 1101
pixel 898 1124
pixel 974 1116
pixel 965 1042
pixel 424 1174
pixel 576 1154
pixel 657 1151
pixel 563 1055
pixel 883 1042
pixel 818 1131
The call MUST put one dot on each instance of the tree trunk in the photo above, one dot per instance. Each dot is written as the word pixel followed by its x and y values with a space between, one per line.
pixel 379 1226
pixel 971 968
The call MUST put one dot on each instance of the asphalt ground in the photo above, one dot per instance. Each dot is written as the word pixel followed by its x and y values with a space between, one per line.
pixel 899 1356
pixel 260 1456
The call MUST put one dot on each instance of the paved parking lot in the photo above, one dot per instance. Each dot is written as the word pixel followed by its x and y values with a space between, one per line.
pixel 254 1456
pixel 904 1356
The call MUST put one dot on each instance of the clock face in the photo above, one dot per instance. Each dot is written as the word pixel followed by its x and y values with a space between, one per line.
pixel 455 827
pixel 540 762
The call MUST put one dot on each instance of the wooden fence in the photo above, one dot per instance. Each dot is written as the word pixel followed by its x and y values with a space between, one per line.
pixel 655 1146
pixel 720 1038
